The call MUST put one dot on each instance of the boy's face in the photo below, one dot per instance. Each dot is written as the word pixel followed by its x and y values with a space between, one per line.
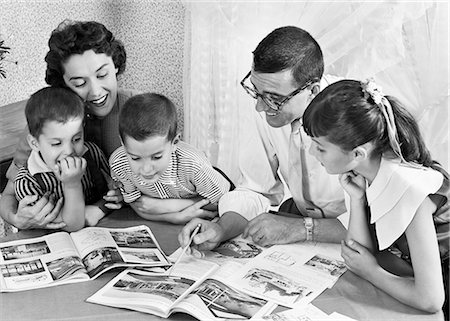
pixel 279 85
pixel 92 76
pixel 59 140
pixel 149 158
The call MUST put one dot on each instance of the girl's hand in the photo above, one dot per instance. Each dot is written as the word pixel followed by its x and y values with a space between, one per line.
pixel 358 259
pixel 354 184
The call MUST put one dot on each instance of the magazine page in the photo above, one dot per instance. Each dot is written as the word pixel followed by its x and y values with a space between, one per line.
pixel 213 299
pixel 102 249
pixel 40 262
pixel 154 293
pixel 290 275
pixel 237 249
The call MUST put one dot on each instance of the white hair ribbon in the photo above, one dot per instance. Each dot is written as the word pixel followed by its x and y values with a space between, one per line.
pixel 375 92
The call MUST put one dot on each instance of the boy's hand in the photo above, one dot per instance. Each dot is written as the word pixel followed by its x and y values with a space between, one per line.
pixel 93 215
pixel 70 170
pixel 195 210
pixel 114 199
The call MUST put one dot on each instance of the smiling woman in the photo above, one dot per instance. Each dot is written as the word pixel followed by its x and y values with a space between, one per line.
pixel 88 64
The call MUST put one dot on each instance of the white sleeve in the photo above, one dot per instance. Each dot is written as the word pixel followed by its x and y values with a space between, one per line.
pixel 259 185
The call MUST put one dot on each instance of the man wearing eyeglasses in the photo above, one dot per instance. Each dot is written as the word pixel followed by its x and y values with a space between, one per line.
pixel 286 75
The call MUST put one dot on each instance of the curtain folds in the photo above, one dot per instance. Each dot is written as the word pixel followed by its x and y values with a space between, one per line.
pixel 403 46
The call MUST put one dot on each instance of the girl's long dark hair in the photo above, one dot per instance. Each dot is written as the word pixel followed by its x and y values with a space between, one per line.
pixel 348 117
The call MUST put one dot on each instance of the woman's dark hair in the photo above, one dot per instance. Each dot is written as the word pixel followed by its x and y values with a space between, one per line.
pixel 290 48
pixel 148 115
pixel 76 37
pixel 348 117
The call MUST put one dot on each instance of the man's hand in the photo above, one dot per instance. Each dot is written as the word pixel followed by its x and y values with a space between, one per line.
pixel 209 236
pixel 43 214
pixel 269 229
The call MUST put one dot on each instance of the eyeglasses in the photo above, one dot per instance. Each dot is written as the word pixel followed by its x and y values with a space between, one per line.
pixel 269 101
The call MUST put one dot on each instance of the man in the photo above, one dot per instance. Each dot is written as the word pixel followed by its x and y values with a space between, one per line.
pixel 286 75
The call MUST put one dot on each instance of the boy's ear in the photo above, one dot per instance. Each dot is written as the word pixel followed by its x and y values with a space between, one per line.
pixel 176 139
pixel 33 142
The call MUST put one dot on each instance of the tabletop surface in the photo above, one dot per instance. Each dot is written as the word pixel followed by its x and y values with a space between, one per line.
pixel 351 295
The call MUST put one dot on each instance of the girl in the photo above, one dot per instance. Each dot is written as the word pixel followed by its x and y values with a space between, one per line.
pixel 395 193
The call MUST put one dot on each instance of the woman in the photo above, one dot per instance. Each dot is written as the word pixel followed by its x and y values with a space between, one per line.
pixel 85 57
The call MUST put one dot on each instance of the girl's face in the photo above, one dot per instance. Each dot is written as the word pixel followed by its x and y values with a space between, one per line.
pixel 332 157
pixel 59 140
pixel 149 158
pixel 93 77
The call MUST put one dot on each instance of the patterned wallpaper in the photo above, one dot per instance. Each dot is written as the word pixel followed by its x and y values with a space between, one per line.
pixel 152 31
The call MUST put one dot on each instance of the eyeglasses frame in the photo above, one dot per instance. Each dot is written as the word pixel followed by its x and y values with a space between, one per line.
pixel 274 105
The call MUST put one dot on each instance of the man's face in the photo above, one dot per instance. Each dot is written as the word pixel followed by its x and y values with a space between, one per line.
pixel 277 86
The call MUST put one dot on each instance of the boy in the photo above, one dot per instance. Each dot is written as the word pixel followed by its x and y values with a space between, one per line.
pixel 155 167
pixel 61 163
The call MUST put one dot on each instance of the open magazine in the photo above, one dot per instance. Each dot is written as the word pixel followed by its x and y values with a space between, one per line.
pixel 195 286
pixel 63 257
pixel 240 281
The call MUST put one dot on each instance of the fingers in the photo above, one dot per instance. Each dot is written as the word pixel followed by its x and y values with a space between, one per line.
pixel 200 204
pixel 29 199
pixel 114 206
pixel 114 199
pixel 185 234
pixel 43 204
pixel 252 230
pixel 54 212
pixel 55 226
pixel 355 246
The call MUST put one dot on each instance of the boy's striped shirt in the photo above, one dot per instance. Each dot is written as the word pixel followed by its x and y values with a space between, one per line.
pixel 188 175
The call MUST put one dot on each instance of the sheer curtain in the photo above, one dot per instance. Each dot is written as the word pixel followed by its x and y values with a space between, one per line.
pixel 403 46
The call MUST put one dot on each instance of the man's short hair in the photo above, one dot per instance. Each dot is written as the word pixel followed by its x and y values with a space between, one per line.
pixel 148 115
pixel 290 48
pixel 52 104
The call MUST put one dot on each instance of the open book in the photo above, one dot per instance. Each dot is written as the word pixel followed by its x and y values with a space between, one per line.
pixel 247 285
pixel 63 257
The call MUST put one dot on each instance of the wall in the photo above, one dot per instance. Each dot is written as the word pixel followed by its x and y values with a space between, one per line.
pixel 152 31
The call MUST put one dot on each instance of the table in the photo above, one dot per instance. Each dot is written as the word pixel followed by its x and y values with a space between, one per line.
pixel 351 295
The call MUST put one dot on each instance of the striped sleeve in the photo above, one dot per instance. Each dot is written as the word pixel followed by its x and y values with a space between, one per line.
pixel 208 182
pixel 121 172
pixel 25 184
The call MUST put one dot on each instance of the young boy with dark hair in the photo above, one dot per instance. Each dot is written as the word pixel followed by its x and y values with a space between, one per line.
pixel 178 181
pixel 61 164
